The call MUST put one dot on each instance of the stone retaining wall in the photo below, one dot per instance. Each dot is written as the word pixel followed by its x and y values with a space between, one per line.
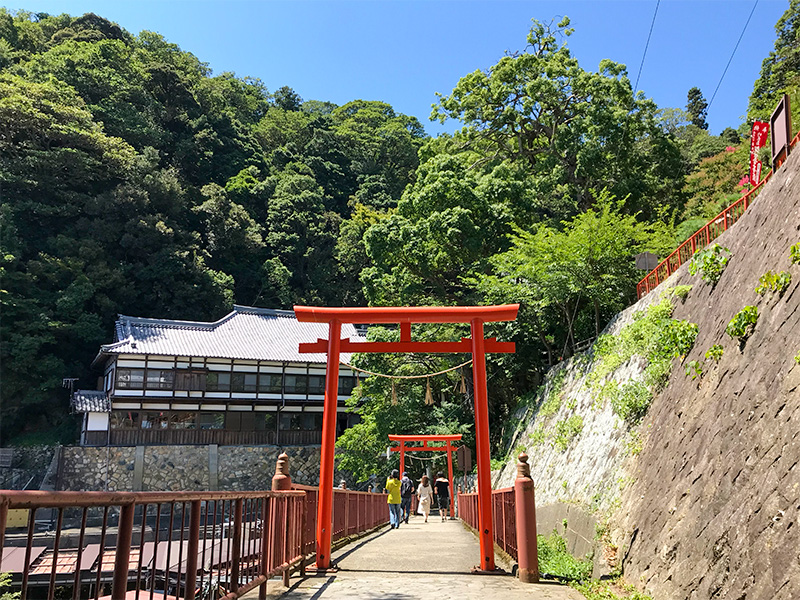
pixel 190 468
pixel 27 468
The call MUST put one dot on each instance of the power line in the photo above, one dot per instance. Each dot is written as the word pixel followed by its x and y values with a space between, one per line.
pixel 732 53
pixel 653 22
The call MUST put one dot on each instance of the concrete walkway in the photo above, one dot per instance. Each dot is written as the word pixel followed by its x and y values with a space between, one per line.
pixel 419 560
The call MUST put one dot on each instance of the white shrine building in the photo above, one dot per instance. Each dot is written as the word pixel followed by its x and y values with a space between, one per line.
pixel 239 380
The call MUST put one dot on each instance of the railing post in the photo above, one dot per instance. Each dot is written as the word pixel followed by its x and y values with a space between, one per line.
pixel 287 539
pixel 237 545
pixel 346 513
pixel 282 480
pixel 123 555
pixel 3 520
pixel 264 569
pixel 525 508
pixel 192 550
pixel 304 528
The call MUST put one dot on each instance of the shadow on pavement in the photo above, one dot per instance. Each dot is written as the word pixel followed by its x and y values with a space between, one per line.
pixel 366 540
pixel 415 572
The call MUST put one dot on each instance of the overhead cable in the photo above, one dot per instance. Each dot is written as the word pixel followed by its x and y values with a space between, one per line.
pixel 714 95
pixel 653 22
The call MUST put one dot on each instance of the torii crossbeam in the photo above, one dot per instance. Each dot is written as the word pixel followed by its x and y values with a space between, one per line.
pixel 476 316
pixel 448 447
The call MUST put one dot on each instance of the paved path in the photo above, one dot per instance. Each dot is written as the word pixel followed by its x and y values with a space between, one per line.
pixel 419 560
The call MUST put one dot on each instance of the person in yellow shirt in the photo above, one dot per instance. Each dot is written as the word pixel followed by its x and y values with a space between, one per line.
pixel 393 488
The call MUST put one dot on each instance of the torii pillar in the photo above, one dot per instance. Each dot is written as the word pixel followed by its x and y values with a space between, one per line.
pixel 476 316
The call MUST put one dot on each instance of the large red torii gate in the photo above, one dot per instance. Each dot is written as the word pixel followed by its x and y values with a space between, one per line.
pixel 476 316
pixel 448 447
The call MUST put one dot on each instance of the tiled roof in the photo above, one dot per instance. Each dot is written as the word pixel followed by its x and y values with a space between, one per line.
pixel 84 401
pixel 247 333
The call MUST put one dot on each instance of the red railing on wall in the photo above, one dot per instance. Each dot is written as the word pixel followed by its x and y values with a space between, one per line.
pixel 353 513
pixel 702 238
pixel 192 545
pixel 503 517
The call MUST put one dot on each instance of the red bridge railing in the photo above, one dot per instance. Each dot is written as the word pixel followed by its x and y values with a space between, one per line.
pixel 192 545
pixel 503 517
pixel 703 237
pixel 353 513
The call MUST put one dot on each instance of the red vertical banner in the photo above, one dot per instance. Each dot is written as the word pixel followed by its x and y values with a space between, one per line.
pixel 758 137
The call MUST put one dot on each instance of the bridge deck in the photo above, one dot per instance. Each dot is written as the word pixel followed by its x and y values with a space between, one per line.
pixel 419 560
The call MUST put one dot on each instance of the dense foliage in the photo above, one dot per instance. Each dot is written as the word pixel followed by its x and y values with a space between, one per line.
pixel 780 71
pixel 136 181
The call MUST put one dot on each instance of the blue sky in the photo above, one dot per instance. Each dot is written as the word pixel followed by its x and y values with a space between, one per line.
pixel 404 52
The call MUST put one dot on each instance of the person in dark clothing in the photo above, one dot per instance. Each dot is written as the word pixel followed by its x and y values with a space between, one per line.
pixel 442 490
pixel 406 492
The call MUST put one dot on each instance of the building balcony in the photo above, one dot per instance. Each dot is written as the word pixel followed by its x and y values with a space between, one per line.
pixel 199 437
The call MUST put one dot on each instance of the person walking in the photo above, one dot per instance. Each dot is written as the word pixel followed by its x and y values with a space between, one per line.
pixel 393 488
pixel 425 496
pixel 406 492
pixel 442 490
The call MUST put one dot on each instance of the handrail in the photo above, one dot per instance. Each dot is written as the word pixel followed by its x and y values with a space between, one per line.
pixel 192 545
pixel 702 237
pixel 503 517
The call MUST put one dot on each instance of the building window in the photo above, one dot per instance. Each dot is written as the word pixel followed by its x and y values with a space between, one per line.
pixel 269 421
pixel 271 383
pixel 211 420
pixel 124 420
pixel 160 379
pixel 290 422
pixel 130 379
pixel 182 420
pixel 316 384
pixel 218 382
pixel 296 384
pixel 186 379
pixel 301 421
pixel 155 420
pixel 243 382
pixel 346 385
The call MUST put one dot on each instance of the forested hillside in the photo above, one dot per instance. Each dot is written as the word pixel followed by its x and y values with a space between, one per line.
pixel 134 180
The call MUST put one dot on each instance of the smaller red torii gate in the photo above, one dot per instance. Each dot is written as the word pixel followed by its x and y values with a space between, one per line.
pixel 449 439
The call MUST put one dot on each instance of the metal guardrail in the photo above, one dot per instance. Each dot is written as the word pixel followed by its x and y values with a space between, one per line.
pixel 503 517
pixel 701 238
pixel 192 545
pixel 353 513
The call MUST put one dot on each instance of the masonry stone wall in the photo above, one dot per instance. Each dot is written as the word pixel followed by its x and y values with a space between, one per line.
pixel 189 468
pixel 27 468
pixel 97 469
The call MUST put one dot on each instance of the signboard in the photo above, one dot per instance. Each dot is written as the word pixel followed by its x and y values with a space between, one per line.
pixel 781 127
pixel 758 137
pixel 464 459
pixel 646 261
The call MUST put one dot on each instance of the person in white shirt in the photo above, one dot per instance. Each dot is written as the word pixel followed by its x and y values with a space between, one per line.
pixel 425 497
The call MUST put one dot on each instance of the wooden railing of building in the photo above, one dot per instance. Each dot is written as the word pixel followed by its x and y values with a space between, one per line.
pixel 221 437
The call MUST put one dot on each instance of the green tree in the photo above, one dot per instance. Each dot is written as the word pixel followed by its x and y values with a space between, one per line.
pixel 575 130
pixel 286 98
pixel 780 70
pixel 301 234
pixel 570 281
pixel 697 107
